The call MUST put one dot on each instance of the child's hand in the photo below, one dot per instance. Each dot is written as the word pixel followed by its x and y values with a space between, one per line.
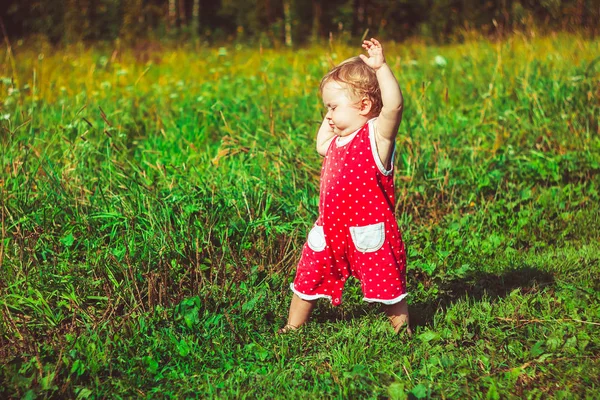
pixel 375 50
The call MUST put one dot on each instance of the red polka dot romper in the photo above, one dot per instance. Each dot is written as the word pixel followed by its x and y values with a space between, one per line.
pixel 356 232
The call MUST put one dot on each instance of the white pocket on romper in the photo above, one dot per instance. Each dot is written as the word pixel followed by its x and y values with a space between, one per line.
pixel 368 238
pixel 316 238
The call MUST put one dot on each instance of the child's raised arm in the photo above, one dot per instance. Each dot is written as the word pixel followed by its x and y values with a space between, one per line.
pixel 324 137
pixel 390 117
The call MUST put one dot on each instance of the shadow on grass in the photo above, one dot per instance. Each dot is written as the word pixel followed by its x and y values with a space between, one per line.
pixel 475 286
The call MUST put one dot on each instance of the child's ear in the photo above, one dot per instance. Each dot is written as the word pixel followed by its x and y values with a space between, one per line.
pixel 365 106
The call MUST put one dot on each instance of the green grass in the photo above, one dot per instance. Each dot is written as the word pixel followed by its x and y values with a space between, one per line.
pixel 154 202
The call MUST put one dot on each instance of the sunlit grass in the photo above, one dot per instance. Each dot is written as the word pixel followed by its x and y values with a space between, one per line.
pixel 154 200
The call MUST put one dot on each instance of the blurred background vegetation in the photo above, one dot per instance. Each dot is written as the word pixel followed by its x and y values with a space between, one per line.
pixel 277 22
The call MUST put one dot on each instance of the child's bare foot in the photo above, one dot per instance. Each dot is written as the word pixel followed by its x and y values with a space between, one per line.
pixel 402 326
pixel 299 312
pixel 398 316
pixel 287 328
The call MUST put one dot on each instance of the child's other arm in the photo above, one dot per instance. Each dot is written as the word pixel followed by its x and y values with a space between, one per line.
pixel 324 137
pixel 390 117
pixel 391 113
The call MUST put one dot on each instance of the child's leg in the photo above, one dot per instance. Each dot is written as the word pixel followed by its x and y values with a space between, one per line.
pixel 300 310
pixel 398 315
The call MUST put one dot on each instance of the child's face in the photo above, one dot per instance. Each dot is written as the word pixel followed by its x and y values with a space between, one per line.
pixel 344 113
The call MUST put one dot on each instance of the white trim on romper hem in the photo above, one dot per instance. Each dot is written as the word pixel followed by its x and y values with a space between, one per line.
pixel 388 302
pixel 373 141
pixel 309 296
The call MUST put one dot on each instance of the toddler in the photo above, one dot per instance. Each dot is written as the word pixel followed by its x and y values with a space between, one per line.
pixel 356 232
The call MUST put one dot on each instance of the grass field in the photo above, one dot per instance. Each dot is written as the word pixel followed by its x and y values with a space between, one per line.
pixel 154 201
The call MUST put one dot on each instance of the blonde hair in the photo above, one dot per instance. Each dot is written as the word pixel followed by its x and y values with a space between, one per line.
pixel 360 79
